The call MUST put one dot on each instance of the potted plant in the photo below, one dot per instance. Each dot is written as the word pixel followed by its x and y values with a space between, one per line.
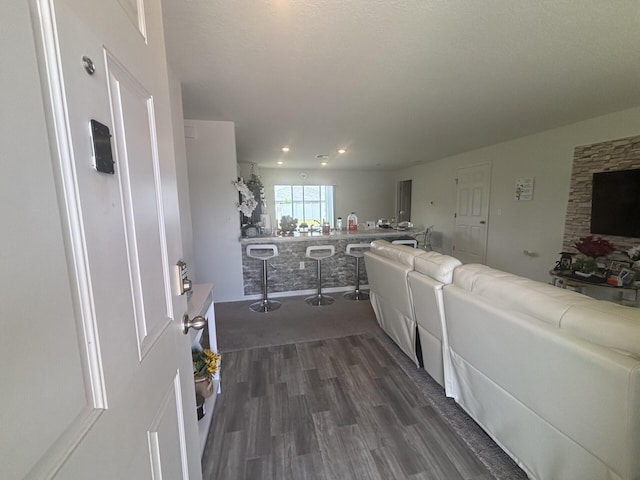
pixel 288 224
pixel 592 248
pixel 205 365
pixel 634 254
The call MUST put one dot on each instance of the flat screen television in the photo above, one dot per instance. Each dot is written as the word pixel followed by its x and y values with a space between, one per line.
pixel 615 203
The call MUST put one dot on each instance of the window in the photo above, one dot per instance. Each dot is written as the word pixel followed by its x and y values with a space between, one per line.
pixel 308 203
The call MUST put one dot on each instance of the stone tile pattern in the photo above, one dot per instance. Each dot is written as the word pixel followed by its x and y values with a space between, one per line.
pixel 620 154
pixel 284 274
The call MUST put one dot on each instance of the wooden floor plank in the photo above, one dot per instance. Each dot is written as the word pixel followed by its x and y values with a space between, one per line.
pixel 308 467
pixel 282 455
pixel 330 409
pixel 259 427
pixel 336 466
pixel 316 392
pixel 434 431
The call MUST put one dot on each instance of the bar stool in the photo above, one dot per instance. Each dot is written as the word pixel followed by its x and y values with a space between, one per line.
pixel 357 250
pixel 412 242
pixel 318 253
pixel 426 238
pixel 263 252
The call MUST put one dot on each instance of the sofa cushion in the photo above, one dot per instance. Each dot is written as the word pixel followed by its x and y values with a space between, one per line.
pixel 605 323
pixel 540 300
pixel 437 266
pixel 402 254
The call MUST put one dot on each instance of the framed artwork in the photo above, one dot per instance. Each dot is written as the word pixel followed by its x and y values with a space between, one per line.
pixel 627 276
pixel 524 189
pixel 616 266
pixel 564 264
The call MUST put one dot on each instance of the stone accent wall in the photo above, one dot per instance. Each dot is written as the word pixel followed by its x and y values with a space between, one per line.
pixel 284 272
pixel 620 154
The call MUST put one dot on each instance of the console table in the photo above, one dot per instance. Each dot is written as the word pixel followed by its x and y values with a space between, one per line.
pixel 564 280
pixel 200 302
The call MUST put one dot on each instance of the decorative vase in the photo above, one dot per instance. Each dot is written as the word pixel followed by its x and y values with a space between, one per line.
pixel 204 385
pixel 583 274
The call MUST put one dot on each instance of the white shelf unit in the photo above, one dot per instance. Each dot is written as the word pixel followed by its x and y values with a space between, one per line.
pixel 201 303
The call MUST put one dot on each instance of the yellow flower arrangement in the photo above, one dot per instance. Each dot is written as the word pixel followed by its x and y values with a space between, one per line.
pixel 205 362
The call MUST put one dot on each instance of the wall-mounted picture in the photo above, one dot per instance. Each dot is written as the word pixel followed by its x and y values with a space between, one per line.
pixel 616 266
pixel 524 189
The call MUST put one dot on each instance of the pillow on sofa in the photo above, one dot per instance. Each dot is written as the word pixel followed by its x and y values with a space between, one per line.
pixel 437 266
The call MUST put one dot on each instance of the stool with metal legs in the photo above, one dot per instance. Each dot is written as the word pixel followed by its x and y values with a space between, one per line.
pixel 357 250
pixel 263 252
pixel 412 242
pixel 426 238
pixel 318 253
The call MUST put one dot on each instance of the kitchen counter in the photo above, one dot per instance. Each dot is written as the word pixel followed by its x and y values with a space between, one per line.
pixel 372 233
pixel 292 271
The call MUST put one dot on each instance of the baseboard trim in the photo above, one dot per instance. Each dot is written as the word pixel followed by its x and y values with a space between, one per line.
pixel 300 293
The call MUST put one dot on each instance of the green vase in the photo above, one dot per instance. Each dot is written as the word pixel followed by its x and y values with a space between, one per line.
pixel 586 265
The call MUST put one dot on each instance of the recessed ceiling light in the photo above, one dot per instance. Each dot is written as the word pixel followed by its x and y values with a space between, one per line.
pixel 285 149
pixel 279 162
pixel 324 164
pixel 341 151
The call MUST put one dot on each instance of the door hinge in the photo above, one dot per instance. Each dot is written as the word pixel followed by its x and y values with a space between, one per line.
pixel 453 248
pixel 455 215
pixel 456 181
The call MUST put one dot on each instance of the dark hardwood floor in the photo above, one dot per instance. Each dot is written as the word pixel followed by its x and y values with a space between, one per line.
pixel 329 409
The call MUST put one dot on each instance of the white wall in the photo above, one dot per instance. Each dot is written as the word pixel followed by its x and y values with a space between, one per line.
pixel 182 176
pixel 211 165
pixel 370 194
pixel 536 226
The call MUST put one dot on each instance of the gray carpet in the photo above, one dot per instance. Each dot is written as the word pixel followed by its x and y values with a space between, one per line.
pixel 239 328
pixel 294 322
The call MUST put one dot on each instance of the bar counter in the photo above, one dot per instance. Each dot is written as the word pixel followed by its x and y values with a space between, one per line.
pixel 285 274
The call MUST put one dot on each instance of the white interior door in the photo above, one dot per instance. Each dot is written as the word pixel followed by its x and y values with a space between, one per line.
pixel 472 211
pixel 122 404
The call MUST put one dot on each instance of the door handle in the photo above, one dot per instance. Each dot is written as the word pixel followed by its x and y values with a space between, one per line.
pixel 197 323
pixel 482 222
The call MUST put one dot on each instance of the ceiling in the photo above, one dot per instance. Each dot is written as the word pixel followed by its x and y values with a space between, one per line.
pixel 398 82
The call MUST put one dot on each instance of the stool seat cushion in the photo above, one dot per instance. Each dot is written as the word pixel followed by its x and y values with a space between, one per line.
pixel 357 249
pixel 262 251
pixel 318 252
pixel 406 241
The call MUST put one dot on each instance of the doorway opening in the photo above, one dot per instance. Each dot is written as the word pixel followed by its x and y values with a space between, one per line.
pixel 403 201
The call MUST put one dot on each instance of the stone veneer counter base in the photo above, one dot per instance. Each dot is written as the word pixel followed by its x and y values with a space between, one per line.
pixel 285 274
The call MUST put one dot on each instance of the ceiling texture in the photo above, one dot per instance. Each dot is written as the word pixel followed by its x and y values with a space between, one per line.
pixel 398 82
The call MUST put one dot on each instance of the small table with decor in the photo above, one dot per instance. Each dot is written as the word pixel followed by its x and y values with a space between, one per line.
pixel 569 278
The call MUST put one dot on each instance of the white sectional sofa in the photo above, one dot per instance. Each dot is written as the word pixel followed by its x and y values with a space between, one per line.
pixel 387 268
pixel 551 375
